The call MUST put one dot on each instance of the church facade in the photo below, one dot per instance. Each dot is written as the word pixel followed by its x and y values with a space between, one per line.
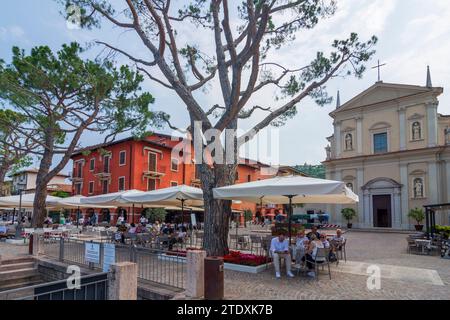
pixel 392 148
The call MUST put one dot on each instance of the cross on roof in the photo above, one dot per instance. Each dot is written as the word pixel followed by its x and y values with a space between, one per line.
pixel 378 66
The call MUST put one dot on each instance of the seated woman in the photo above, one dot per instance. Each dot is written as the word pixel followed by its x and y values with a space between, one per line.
pixel 140 228
pixel 311 254
pixel 132 228
pixel 325 242
pixel 337 241
pixel 301 244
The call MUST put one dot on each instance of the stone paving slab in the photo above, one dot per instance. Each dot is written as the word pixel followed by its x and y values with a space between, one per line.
pixel 418 275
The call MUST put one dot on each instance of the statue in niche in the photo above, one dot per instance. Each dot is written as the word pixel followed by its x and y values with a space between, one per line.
pixel 328 150
pixel 350 186
pixel 447 135
pixel 418 188
pixel 348 141
pixel 416 131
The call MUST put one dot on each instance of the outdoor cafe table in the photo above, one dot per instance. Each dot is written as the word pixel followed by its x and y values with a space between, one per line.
pixel 423 243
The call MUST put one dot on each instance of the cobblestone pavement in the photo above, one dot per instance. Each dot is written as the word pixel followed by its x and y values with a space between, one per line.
pixel 9 250
pixel 368 247
pixel 363 248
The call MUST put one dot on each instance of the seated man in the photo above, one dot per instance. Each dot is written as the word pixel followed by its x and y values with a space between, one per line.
pixel 280 249
pixel 313 232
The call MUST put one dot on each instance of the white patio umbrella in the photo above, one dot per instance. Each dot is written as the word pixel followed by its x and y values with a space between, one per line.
pixel 173 196
pixel 289 190
pixel 27 201
pixel 116 199
pixel 74 202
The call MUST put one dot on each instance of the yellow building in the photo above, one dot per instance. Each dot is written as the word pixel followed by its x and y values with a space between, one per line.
pixel 392 147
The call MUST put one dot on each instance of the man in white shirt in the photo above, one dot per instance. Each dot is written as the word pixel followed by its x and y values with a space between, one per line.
pixel 280 249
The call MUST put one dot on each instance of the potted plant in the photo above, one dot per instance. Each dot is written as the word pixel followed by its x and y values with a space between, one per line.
pixel 444 231
pixel 417 215
pixel 348 214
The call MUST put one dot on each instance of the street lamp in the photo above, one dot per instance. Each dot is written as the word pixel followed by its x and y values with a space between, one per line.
pixel 18 234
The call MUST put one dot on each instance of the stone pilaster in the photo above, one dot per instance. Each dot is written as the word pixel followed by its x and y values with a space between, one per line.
pixel 402 126
pixel 338 207
pixel 360 183
pixel 123 281
pixel 433 191
pixel 404 195
pixel 432 124
pixel 448 180
pixel 397 219
pixel 337 138
pixel 368 217
pixel 195 271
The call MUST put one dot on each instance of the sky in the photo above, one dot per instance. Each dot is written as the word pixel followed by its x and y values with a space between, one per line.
pixel 412 34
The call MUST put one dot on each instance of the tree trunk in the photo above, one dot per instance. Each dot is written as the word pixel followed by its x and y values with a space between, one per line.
pixel 3 172
pixel 217 212
pixel 42 179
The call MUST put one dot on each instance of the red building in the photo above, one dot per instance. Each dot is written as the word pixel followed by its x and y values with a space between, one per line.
pixel 145 165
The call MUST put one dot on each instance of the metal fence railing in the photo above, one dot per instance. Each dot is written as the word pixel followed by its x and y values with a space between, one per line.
pixel 154 264
pixel 92 287
pixel 160 266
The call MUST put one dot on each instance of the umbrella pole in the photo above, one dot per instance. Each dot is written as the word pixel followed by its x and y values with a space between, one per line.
pixel 78 217
pixel 19 217
pixel 132 212
pixel 290 218
pixel 182 212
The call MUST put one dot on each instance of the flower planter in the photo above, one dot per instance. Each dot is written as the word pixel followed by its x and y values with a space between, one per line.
pixel 227 266
pixel 247 269
pixel 418 227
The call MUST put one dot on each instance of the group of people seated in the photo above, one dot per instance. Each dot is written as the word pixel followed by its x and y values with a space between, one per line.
pixel 306 248
pixel 174 233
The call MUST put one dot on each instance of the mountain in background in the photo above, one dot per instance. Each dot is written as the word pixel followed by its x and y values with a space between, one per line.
pixel 314 171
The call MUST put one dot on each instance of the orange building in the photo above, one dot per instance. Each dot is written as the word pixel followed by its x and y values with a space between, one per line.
pixel 148 164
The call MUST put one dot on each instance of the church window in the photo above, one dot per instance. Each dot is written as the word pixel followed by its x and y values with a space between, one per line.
pixel 380 142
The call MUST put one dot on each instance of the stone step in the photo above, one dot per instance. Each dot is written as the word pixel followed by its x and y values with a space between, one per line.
pixel 17 274
pixel 15 260
pixel 17 266
pixel 20 284
pixel 148 290
pixel 381 230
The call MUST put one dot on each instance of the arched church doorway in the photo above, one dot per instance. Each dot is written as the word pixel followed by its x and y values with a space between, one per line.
pixel 382 203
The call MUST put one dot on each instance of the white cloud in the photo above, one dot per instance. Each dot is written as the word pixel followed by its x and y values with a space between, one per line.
pixel 13 32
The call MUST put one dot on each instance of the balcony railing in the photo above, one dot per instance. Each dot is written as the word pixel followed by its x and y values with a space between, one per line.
pixel 76 176
pixel 160 172
pixel 102 172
